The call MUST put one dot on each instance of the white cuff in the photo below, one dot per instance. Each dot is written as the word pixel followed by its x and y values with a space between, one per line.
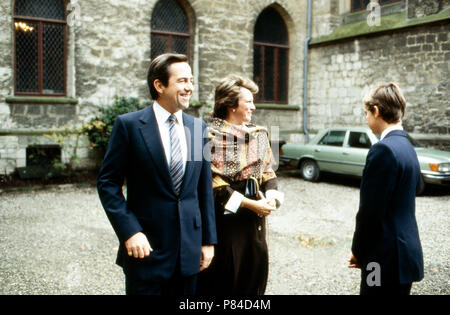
pixel 234 202
pixel 277 195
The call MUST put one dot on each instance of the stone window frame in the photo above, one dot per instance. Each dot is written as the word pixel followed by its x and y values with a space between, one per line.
pixel 41 21
pixel 363 7
pixel 276 47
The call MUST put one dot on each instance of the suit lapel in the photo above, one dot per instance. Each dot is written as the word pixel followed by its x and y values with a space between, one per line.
pixel 152 138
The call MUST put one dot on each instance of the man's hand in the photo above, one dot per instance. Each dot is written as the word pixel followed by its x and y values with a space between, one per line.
pixel 207 256
pixel 138 246
pixel 353 262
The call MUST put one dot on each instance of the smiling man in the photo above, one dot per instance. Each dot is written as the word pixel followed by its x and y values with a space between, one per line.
pixel 166 225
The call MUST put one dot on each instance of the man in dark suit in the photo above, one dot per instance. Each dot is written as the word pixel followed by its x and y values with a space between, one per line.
pixel 386 244
pixel 166 225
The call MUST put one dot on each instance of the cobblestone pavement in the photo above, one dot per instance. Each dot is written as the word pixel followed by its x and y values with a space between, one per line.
pixel 59 241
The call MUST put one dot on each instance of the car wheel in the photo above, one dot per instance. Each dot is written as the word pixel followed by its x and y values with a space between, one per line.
pixel 310 171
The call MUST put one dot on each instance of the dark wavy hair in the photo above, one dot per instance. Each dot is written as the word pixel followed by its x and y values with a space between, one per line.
pixel 159 70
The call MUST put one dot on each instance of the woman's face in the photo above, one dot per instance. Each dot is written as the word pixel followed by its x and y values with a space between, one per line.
pixel 243 112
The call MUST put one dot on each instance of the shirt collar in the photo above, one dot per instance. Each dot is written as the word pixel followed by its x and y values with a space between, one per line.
pixel 162 115
pixel 389 129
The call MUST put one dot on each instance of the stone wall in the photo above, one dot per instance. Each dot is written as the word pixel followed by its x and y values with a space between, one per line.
pixel 225 39
pixel 416 58
pixel 42 115
pixel 102 60
pixel 108 54
pixel 6 62
pixel 420 8
pixel 112 50
pixel 325 17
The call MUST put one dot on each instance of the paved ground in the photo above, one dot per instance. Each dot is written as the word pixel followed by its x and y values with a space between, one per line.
pixel 59 241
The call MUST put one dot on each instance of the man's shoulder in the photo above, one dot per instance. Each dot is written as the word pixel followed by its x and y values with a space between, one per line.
pixel 382 149
pixel 381 145
pixel 393 147
pixel 397 141
pixel 189 118
pixel 134 116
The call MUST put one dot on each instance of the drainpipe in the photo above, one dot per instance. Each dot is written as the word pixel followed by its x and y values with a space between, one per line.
pixel 305 76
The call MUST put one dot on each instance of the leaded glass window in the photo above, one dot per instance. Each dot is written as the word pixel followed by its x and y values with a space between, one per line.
pixel 170 29
pixel 270 57
pixel 39 32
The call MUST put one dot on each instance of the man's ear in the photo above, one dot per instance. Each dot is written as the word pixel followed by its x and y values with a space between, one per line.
pixel 376 111
pixel 159 86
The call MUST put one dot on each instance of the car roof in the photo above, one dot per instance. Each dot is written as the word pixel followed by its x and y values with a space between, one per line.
pixel 352 128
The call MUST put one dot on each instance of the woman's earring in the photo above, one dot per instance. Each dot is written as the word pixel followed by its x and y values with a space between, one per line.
pixel 234 111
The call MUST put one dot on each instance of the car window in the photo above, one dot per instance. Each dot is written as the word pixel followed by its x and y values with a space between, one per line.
pixel 359 140
pixel 334 138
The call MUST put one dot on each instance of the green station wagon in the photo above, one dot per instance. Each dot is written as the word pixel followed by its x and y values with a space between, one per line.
pixel 344 151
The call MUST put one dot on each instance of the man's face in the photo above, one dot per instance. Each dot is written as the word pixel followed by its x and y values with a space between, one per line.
pixel 372 121
pixel 176 95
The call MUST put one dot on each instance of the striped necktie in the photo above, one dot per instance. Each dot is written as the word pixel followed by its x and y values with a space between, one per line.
pixel 176 158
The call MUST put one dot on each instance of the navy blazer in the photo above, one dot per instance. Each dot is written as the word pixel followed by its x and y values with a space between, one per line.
pixel 386 228
pixel 175 225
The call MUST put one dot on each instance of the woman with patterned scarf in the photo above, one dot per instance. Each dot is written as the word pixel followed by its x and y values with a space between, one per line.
pixel 240 152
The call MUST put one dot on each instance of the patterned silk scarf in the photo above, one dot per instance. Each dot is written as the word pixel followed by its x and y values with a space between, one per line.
pixel 239 152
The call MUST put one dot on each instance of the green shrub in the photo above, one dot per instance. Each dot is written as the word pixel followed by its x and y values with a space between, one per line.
pixel 99 128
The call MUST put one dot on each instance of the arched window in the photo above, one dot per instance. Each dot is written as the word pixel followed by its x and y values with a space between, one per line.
pixel 270 57
pixel 170 29
pixel 39 32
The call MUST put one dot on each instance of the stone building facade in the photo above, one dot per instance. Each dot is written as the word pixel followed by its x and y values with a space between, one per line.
pixel 108 48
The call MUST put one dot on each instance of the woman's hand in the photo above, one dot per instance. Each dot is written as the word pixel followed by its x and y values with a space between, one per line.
pixel 262 207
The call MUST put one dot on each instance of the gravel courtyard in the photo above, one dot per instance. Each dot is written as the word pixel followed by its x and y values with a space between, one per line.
pixel 59 241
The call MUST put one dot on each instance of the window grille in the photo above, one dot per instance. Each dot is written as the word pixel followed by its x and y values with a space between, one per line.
pixel 270 57
pixel 39 31
pixel 170 29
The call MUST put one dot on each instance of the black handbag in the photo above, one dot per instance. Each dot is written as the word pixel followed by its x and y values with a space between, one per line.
pixel 251 188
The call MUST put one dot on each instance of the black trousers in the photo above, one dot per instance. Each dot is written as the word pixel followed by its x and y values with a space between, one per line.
pixel 389 289
pixel 175 286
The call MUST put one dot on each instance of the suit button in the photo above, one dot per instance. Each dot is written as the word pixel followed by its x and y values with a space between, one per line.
pixel 259 228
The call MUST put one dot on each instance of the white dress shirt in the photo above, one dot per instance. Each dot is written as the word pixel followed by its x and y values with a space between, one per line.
pixel 389 129
pixel 162 116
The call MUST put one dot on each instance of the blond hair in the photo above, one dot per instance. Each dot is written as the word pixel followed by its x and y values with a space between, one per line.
pixel 389 99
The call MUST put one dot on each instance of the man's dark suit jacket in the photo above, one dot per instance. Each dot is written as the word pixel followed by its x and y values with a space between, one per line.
pixel 175 225
pixel 386 228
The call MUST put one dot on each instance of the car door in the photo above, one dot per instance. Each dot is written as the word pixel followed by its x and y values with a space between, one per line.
pixel 355 151
pixel 328 151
